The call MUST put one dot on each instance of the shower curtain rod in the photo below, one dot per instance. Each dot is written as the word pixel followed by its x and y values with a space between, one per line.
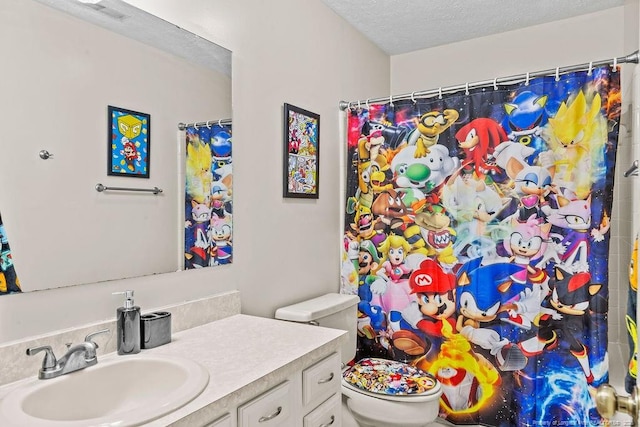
pixel 208 123
pixel 631 58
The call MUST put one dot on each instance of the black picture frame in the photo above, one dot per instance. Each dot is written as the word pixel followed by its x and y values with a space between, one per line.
pixel 301 165
pixel 129 143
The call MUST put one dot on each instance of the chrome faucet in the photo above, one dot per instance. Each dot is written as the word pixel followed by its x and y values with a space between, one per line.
pixel 77 357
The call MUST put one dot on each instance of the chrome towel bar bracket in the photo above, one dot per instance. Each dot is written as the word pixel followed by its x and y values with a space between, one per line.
pixel 633 170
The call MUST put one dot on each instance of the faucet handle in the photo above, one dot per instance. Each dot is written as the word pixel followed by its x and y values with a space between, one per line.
pixel 49 361
pixel 89 337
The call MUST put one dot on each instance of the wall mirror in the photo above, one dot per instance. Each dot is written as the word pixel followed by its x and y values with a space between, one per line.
pixel 67 61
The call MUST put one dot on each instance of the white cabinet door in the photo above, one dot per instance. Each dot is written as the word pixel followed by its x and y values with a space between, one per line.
pixel 321 380
pixel 326 415
pixel 270 409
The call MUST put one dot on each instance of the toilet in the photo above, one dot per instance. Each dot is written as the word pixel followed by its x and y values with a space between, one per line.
pixel 403 396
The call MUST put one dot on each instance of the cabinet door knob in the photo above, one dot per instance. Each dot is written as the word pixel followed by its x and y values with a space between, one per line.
pixel 326 380
pixel 270 417
pixel 333 418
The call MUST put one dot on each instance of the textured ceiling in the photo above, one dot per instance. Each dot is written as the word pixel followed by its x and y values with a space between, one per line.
pixel 129 21
pixel 401 26
pixel 396 26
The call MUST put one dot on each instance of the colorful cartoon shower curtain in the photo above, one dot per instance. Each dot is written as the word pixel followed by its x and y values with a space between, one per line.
pixel 631 321
pixel 9 282
pixel 208 200
pixel 477 235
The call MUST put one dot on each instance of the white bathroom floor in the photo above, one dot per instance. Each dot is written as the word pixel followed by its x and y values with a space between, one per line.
pixel 618 354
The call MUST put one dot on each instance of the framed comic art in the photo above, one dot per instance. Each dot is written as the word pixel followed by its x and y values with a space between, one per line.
pixel 129 142
pixel 301 153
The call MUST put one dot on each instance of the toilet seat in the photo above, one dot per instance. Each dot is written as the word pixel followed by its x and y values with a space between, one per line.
pixel 390 380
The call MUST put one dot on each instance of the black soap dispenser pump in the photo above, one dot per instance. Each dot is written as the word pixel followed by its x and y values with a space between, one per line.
pixel 128 319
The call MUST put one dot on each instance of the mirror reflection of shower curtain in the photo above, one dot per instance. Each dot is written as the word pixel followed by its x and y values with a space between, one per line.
pixel 9 282
pixel 208 239
pixel 477 236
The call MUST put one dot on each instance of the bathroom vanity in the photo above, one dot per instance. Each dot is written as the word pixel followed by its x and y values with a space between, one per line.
pixel 262 372
pixel 283 373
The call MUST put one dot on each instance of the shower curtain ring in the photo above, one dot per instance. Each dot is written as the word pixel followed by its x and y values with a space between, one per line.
pixel 557 74
pixel 195 125
pixel 208 125
pixel 391 101
pixel 367 104
pixel 615 64
pixel 358 104
pixel 413 99
pixel 466 88
pixel 526 81
pixel 440 92
pixel 495 83
pixel 590 68
pixel 220 122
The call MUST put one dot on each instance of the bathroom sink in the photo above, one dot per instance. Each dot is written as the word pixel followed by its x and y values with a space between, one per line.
pixel 120 391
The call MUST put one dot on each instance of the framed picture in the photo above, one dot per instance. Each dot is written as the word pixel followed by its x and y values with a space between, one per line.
pixel 301 153
pixel 129 143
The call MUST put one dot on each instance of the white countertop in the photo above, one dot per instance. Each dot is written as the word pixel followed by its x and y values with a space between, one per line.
pixel 245 355
pixel 240 350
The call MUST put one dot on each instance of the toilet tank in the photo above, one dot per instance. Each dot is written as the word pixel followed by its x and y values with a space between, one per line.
pixel 337 311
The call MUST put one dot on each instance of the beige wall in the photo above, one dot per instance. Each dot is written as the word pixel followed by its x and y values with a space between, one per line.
pixel 302 53
pixel 284 249
pixel 602 35
pixel 577 40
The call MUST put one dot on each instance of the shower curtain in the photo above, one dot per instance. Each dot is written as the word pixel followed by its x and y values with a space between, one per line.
pixel 477 234
pixel 631 320
pixel 9 282
pixel 208 197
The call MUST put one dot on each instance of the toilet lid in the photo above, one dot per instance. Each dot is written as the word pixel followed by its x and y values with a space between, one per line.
pixel 389 377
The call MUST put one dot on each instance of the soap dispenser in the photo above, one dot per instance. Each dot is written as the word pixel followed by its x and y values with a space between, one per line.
pixel 128 319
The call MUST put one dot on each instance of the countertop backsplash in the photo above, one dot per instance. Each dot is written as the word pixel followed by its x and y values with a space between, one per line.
pixel 189 314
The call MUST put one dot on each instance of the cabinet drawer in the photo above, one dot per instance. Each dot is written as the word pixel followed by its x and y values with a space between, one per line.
pixel 326 415
pixel 224 421
pixel 272 408
pixel 321 380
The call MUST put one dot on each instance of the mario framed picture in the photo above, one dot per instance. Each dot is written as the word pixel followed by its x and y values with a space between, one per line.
pixel 301 153
pixel 129 139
